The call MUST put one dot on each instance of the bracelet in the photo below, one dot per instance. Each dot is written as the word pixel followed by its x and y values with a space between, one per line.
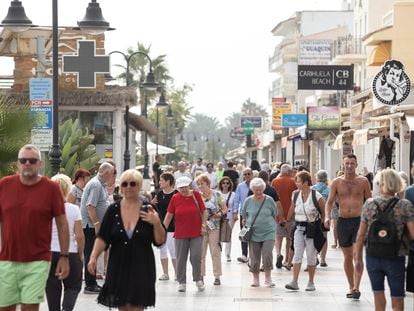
pixel 96 223
pixel 64 255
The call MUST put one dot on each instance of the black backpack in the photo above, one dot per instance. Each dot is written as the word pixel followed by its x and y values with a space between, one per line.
pixel 383 240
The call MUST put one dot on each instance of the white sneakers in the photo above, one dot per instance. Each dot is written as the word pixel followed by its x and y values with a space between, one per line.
pixel 310 287
pixel 200 285
pixel 181 288
pixel 164 277
pixel 293 285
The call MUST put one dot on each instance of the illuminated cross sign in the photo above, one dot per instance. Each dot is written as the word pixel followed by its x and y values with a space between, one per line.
pixel 86 64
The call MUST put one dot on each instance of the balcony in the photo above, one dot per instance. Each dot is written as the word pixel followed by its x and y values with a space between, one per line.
pixel 348 50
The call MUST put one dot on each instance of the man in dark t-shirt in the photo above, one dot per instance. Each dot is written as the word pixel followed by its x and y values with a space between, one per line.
pixel 232 174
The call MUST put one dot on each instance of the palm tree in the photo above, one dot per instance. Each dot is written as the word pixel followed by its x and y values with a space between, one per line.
pixel 16 122
pixel 250 108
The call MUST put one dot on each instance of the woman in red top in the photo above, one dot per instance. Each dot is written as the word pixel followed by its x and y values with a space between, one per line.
pixel 190 217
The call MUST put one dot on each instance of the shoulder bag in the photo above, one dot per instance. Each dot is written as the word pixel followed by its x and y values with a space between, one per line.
pixel 246 233
pixel 225 228
pixel 198 207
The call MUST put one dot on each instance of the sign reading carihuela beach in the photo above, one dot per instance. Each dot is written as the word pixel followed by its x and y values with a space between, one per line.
pixel 391 86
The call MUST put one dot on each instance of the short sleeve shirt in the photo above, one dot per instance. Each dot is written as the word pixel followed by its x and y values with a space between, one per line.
pixel 403 213
pixel 264 228
pixel 94 194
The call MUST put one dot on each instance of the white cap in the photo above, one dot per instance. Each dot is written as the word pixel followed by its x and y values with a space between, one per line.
pixel 183 181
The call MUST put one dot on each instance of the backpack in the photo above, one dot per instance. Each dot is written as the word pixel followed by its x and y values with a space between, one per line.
pixel 383 240
pixel 314 199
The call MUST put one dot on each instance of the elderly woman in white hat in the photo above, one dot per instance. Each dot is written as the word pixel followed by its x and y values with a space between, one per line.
pixel 259 212
pixel 190 215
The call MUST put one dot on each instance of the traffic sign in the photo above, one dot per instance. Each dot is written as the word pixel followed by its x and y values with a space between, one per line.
pixel 255 121
pixel 43 139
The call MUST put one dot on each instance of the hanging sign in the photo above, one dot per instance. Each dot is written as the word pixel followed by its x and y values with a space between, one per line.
pixel 391 86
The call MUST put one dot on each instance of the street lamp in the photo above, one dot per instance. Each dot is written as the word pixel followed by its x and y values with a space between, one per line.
pixel 93 23
pixel 149 84
pixel 161 103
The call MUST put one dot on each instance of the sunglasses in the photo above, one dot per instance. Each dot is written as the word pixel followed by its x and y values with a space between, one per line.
pixel 131 184
pixel 225 183
pixel 31 160
pixel 247 174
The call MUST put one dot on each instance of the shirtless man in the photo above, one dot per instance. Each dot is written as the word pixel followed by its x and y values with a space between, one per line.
pixel 351 190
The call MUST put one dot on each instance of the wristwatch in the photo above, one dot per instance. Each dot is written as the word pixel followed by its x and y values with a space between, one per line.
pixel 64 255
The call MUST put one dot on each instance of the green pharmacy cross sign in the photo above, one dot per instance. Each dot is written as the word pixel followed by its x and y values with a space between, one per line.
pixel 248 128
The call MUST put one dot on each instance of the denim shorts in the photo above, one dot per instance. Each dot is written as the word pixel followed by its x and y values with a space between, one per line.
pixel 394 269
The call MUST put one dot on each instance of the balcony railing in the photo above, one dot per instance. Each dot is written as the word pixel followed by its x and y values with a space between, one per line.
pixel 347 45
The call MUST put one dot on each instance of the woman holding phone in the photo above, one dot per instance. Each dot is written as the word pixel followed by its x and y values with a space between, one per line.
pixel 129 227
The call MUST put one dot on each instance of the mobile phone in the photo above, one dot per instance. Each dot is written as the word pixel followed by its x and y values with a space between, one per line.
pixel 145 208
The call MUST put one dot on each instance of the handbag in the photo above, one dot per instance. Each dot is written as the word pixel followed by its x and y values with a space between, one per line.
pixel 225 228
pixel 225 231
pixel 246 233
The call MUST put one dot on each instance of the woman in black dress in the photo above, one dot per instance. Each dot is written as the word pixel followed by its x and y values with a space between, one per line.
pixel 129 227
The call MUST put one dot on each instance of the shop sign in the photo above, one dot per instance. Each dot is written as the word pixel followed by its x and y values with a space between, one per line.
pixel 325 77
pixel 391 85
pixel 326 118
pixel 294 119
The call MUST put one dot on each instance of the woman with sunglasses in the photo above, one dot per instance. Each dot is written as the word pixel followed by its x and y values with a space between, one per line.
pixel 129 228
pixel 79 182
pixel 227 194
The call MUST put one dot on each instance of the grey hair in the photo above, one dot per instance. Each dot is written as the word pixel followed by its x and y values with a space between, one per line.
pixel 257 183
pixel 33 148
pixel 285 169
pixel 105 167
pixel 322 176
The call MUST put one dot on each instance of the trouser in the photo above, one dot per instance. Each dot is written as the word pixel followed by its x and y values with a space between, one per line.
pixel 211 239
pixel 227 245
pixel 90 280
pixel 72 284
pixel 182 247
pixel 244 245
pixel 261 250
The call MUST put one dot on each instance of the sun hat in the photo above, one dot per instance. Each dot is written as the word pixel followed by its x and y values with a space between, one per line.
pixel 183 181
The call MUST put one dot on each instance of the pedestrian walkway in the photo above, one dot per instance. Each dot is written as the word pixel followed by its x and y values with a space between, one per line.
pixel 235 292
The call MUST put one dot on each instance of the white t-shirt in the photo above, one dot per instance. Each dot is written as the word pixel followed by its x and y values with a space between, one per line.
pixel 72 214
pixel 213 179
pixel 311 210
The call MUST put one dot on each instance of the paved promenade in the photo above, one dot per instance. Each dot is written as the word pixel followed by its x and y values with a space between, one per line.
pixel 235 292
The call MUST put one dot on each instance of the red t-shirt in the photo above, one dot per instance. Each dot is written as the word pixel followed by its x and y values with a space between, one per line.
pixel 284 186
pixel 26 214
pixel 186 215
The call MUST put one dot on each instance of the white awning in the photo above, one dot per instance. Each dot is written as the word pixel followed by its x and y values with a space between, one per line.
pixel 410 121
pixel 338 142
pixel 360 137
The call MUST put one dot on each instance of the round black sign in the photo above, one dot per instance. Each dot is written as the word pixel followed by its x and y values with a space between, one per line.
pixel 391 86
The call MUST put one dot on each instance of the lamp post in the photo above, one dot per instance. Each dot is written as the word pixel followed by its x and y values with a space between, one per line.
pixel 161 103
pixel 92 23
pixel 149 84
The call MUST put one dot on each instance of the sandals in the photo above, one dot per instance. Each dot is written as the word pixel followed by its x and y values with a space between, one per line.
pixel 354 294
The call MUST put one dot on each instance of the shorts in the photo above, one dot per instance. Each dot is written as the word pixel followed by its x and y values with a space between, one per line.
pixel 284 231
pixel 347 229
pixel 23 282
pixel 394 269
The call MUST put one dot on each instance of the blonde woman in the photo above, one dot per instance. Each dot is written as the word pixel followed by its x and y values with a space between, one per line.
pixel 73 283
pixel 216 209
pixel 129 228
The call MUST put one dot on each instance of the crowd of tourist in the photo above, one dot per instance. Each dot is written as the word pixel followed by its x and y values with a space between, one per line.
pixel 282 210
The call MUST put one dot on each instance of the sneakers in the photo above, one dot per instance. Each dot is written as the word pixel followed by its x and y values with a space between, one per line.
pixel 242 259
pixel 228 258
pixel 310 287
pixel 293 285
pixel 92 290
pixel 200 286
pixel 164 277
pixel 279 261
pixel 181 288
pixel 217 282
